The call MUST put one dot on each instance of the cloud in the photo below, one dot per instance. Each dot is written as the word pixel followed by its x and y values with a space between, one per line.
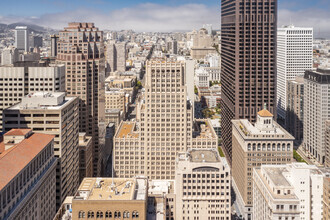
pixel 156 17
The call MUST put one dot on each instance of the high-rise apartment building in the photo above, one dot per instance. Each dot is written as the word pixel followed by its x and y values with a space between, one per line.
pixel 265 142
pixel 292 191
pixel 80 47
pixel 294 57
pixel 248 62
pixel 27 175
pixel 164 126
pixel 55 114
pixel 295 108
pixel 327 143
pixel 17 82
pixel 202 186
pixel 316 112
pixel 22 38
pixel 9 55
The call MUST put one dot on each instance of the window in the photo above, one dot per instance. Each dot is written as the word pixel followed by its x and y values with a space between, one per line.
pixel 108 214
pixel 126 214
pixel 99 214
pixel 135 214
pixel 117 214
pixel 81 214
pixel 90 214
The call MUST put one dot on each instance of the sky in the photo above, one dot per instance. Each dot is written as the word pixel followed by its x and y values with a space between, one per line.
pixel 156 15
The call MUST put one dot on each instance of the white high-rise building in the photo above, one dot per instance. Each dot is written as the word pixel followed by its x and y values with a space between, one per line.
pixel 316 112
pixel 294 57
pixel 291 191
pixel 22 38
pixel 9 55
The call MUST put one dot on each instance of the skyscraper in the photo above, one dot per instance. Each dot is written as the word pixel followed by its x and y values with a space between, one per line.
pixel 294 57
pixel 316 112
pixel 248 50
pixel 164 126
pixel 80 47
pixel 22 38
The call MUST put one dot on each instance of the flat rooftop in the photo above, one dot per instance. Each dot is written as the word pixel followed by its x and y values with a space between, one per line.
pixel 112 189
pixel 199 156
pixel 276 175
pixel 126 130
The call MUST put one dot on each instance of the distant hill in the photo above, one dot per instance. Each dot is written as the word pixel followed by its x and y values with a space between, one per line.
pixel 31 27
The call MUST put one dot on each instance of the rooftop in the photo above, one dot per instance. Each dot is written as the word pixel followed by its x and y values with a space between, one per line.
pixel 208 156
pixel 13 160
pixel 127 130
pixel 265 113
pixel 112 189
pixel 16 132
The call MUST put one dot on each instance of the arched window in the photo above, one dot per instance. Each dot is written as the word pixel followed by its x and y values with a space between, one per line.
pixel 283 147
pixel 117 214
pixel 268 147
pixel 289 147
pixel 126 214
pixel 278 147
pixel 108 214
pixel 135 214
pixel 81 214
pixel 99 214
pixel 90 214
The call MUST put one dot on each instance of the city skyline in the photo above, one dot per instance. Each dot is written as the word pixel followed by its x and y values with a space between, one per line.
pixel 153 15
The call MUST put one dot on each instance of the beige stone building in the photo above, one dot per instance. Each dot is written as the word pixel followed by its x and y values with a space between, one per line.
pixel 202 186
pixel 81 48
pixel 164 126
pixel 85 156
pixel 202 44
pixel 55 114
pixel 273 196
pixel 266 142
pixel 116 99
pixel 27 175
pixel 326 198
pixel 106 198
pixel 16 82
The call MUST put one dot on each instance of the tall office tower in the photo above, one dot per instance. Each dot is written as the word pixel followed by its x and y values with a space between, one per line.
pixel 22 38
pixel 202 185
pixel 27 175
pixel 295 108
pixel 294 57
pixel 327 143
pixel 316 111
pixel 116 57
pixel 164 127
pixel 80 48
pixel 9 56
pixel 35 41
pixel 326 198
pixel 55 114
pixel 291 191
pixel 16 82
pixel 53 46
pixel 266 142
pixel 248 62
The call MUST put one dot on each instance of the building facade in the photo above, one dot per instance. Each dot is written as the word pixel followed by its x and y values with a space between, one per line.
pixel 295 109
pixel 266 142
pixel 111 198
pixel 163 128
pixel 9 55
pixel 22 38
pixel 327 143
pixel 248 62
pixel 316 112
pixel 54 114
pixel 80 47
pixel 85 156
pixel 28 175
pixel 292 191
pixel 294 57
pixel 17 82
pixel 326 198
pixel 202 185
pixel 116 57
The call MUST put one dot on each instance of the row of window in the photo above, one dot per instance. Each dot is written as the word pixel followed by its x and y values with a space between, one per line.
pixel 108 214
